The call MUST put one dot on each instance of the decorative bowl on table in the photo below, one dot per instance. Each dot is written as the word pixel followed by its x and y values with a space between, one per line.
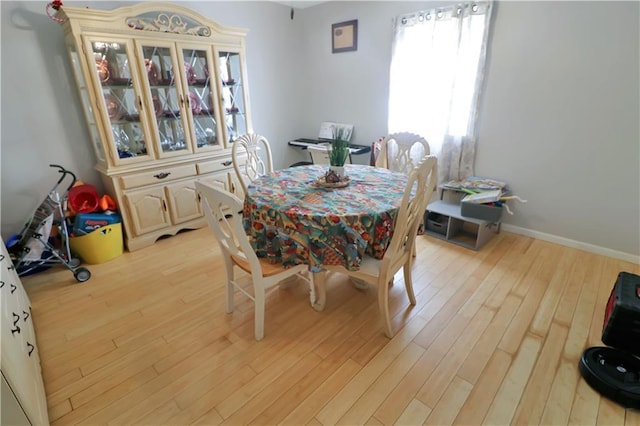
pixel 332 180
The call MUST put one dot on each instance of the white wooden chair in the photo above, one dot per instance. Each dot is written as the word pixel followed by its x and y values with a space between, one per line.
pixel 249 145
pixel 380 272
pixel 223 212
pixel 401 152
pixel 320 153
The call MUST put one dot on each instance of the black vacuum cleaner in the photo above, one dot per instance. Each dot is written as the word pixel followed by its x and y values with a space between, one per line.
pixel 614 371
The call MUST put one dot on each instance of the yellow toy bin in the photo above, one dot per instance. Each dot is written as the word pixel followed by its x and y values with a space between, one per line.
pixel 99 246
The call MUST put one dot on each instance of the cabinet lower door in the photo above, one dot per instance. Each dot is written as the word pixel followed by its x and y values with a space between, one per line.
pixel 148 209
pixel 236 186
pixel 217 179
pixel 183 201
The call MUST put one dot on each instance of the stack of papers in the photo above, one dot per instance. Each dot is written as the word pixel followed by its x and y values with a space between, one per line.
pixel 475 183
pixel 483 197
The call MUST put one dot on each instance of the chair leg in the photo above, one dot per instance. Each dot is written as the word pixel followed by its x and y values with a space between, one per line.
pixel 312 288
pixel 383 307
pixel 230 287
pixel 319 279
pixel 408 283
pixel 259 296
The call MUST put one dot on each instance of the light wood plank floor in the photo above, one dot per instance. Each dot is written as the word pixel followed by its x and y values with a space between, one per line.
pixel 495 338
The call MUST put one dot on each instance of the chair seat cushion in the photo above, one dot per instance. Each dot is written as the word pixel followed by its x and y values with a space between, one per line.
pixel 268 269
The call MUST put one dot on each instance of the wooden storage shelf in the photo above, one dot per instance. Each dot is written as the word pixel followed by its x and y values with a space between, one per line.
pixel 444 220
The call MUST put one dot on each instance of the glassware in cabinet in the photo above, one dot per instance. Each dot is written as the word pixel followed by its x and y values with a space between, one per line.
pixel 85 99
pixel 198 76
pixel 120 100
pixel 233 97
pixel 166 100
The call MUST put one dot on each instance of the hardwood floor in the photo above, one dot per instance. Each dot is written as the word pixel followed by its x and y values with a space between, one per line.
pixel 495 338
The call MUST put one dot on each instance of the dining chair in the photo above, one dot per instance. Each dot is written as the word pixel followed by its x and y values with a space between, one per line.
pixel 399 254
pixel 401 152
pixel 223 212
pixel 248 169
pixel 320 153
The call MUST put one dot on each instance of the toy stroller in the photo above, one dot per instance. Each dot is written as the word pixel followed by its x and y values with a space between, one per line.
pixel 34 249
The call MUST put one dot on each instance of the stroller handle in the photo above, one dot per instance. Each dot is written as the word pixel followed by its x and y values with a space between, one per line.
pixel 64 172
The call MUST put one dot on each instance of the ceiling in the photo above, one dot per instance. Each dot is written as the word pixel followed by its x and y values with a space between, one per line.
pixel 299 4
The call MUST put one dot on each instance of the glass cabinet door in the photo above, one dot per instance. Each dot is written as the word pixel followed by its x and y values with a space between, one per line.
pixel 199 78
pixel 232 89
pixel 85 98
pixel 166 101
pixel 120 101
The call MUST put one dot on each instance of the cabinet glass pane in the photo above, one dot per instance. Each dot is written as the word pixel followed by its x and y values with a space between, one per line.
pixel 165 97
pixel 232 94
pixel 201 99
pixel 86 103
pixel 120 99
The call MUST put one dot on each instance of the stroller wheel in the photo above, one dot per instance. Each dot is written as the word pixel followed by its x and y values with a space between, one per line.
pixel 74 262
pixel 82 274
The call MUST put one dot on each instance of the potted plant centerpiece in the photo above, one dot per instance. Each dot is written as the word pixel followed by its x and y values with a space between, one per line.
pixel 338 156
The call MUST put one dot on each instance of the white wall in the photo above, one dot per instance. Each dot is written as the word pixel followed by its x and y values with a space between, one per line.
pixel 559 117
pixel 560 114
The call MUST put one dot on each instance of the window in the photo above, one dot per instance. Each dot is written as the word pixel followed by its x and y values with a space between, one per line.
pixel 437 68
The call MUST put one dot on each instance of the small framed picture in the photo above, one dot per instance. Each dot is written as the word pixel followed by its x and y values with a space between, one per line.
pixel 344 36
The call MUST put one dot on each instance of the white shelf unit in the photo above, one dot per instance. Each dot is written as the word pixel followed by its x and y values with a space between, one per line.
pixel 444 220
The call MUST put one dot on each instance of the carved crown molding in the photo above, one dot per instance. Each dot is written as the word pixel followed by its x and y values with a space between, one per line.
pixel 168 23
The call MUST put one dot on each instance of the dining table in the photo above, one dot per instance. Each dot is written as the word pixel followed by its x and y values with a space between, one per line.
pixel 293 216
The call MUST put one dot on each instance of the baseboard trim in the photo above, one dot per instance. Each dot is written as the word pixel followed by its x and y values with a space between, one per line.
pixel 628 257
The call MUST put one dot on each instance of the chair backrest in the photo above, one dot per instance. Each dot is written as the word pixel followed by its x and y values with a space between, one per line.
pixel 420 185
pixel 250 145
pixel 320 153
pixel 223 212
pixel 401 152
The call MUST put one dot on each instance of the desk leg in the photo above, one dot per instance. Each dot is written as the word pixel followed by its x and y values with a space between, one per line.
pixel 319 279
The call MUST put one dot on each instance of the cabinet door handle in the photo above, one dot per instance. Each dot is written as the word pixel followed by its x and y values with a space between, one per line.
pixel 1 257
pixel 13 288
pixel 227 163
pixel 26 315
pixel 162 175
pixel 16 318
pixel 31 348
pixel 11 268
pixel 1 284
pixel 16 330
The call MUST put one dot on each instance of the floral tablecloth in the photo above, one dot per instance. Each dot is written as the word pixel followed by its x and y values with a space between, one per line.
pixel 290 219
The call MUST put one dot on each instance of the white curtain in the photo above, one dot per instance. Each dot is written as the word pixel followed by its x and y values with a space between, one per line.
pixel 437 68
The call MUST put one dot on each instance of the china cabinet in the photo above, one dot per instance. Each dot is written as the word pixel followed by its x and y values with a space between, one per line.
pixel 164 93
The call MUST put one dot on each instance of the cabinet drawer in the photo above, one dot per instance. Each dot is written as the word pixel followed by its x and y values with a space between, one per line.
pixel 214 165
pixel 157 176
pixel 218 164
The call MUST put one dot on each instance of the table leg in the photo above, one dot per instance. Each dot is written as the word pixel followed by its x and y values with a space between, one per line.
pixel 319 279
pixel 359 284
